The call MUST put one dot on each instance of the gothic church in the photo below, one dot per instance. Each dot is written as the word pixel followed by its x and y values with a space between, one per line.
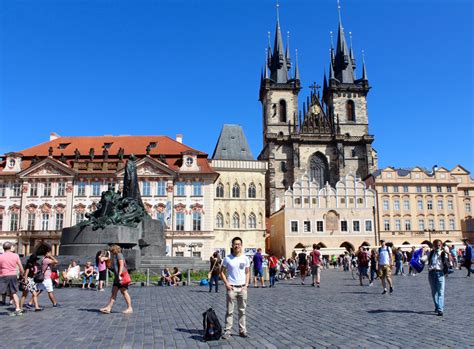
pixel 326 139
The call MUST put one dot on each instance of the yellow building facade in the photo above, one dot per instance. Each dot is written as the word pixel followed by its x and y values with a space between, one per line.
pixel 417 206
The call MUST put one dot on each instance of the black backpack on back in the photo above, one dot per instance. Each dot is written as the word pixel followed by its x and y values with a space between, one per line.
pixel 211 325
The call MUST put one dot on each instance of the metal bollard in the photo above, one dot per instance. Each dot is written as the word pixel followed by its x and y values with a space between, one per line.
pixel 147 276
pixel 189 277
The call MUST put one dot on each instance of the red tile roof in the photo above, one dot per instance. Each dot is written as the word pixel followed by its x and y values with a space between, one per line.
pixel 66 146
pixel 131 145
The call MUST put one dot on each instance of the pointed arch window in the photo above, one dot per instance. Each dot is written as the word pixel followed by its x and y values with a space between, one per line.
pixel 219 220
pixel 350 110
pixel 252 191
pixel 220 190
pixel 236 191
pixel 319 169
pixel 252 221
pixel 282 110
pixel 236 221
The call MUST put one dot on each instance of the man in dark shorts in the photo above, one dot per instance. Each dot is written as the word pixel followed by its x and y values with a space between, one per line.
pixel 9 262
pixel 303 265
pixel 258 268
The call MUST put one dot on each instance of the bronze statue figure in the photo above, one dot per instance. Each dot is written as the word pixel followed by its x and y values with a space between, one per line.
pixel 115 209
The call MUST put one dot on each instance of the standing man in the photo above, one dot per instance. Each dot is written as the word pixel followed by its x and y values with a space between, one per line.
pixel 258 268
pixel 9 261
pixel 316 264
pixel 214 271
pixel 438 265
pixel 363 263
pixel 48 261
pixel 399 262
pixel 302 264
pixel 385 263
pixel 468 257
pixel 236 281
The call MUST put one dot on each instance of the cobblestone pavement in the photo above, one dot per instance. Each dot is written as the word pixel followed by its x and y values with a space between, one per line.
pixel 339 314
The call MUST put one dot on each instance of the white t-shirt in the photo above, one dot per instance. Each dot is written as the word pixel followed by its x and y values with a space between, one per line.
pixel 236 268
pixel 385 253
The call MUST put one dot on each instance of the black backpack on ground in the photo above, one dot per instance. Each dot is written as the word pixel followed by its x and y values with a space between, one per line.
pixel 211 325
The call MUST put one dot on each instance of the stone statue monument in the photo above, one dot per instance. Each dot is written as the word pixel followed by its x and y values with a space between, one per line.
pixel 120 218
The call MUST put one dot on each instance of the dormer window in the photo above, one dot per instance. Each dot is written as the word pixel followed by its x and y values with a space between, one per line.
pixel 63 145
pixel 11 163
pixel 152 145
pixel 189 161
pixel 107 145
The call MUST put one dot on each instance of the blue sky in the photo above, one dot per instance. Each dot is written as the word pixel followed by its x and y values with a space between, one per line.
pixel 95 67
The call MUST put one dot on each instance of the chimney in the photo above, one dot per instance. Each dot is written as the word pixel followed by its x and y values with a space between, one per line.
pixel 53 136
pixel 179 138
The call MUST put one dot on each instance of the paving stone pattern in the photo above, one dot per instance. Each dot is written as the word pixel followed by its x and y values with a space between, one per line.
pixel 339 314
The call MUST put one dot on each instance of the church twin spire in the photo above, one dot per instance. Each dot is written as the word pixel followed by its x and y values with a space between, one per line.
pixel 279 61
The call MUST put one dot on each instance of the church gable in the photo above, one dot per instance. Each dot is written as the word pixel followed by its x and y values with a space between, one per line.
pixel 48 168
pixel 150 167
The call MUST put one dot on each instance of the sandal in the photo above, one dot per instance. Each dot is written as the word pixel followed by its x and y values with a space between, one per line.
pixel 105 311
pixel 127 311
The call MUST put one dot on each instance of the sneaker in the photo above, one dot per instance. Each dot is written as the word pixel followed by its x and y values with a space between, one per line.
pixel 371 284
pixel 16 313
pixel 317 285
pixel 384 291
pixel 27 306
pixel 313 284
pixel 57 305
pixel 226 335
pixel 244 334
pixel 391 289
pixel 39 309
pixel 440 313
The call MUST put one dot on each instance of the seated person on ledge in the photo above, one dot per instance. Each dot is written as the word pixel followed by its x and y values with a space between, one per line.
pixel 176 277
pixel 71 273
pixel 88 275
pixel 166 277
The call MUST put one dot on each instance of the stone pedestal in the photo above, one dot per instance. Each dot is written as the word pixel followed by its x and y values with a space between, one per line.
pixel 147 239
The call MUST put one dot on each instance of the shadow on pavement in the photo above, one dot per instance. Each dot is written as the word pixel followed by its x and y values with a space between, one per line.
pixel 379 311
pixel 197 334
pixel 90 310
pixel 187 330
pixel 359 292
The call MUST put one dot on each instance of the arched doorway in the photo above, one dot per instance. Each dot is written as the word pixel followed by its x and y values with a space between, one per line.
pixel 348 246
pixel 426 242
pixel 406 243
pixel 319 169
pixel 299 245
pixel 321 245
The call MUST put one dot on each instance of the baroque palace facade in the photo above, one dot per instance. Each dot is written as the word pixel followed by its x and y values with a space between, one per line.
pixel 53 185
pixel 417 206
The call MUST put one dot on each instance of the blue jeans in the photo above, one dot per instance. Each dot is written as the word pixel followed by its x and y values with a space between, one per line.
pixel 272 272
pixel 214 280
pixel 373 274
pixel 87 279
pixel 398 267
pixel 436 279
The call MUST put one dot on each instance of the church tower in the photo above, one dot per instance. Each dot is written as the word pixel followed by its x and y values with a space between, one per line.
pixel 279 98
pixel 325 139
pixel 346 99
